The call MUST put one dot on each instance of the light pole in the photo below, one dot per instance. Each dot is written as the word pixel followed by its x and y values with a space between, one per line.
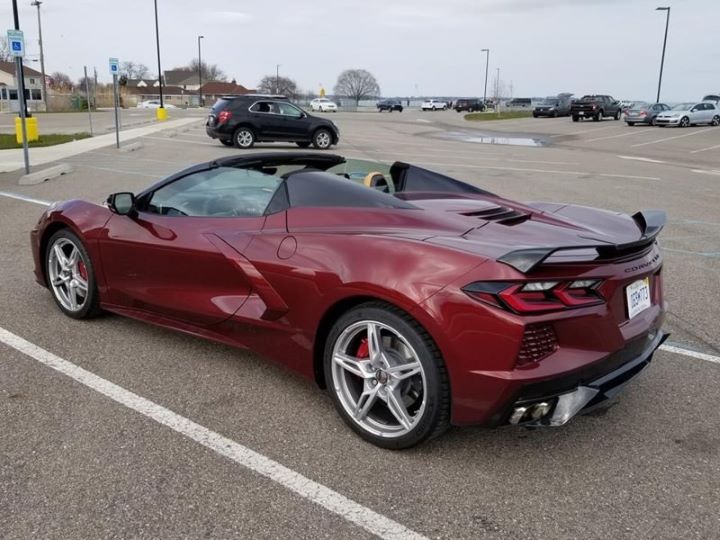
pixel 662 60
pixel 37 4
pixel 200 98
pixel 487 63
pixel 160 77
pixel 277 78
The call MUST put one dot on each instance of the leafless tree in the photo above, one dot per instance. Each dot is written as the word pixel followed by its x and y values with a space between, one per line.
pixel 270 84
pixel 357 84
pixel 61 82
pixel 5 55
pixel 210 72
pixel 134 70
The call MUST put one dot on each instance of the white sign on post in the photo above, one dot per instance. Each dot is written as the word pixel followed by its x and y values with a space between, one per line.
pixel 16 42
pixel 114 66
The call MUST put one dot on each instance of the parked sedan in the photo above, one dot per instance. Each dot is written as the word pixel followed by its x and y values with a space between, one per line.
pixel 323 105
pixel 644 113
pixel 413 312
pixel 690 114
pixel 154 104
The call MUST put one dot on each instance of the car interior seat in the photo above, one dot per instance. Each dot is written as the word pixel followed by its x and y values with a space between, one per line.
pixel 377 180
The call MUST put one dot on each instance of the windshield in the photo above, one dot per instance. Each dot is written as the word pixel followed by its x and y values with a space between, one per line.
pixel 549 102
pixel 639 105
pixel 683 106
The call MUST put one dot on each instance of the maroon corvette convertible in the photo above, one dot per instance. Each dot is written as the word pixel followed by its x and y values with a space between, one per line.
pixel 417 300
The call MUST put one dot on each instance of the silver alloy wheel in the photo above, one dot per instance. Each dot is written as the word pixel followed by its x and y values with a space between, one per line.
pixel 322 140
pixel 716 121
pixel 684 121
pixel 67 274
pixel 384 391
pixel 244 138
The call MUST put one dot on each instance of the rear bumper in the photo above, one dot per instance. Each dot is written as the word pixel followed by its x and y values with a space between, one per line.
pixel 638 119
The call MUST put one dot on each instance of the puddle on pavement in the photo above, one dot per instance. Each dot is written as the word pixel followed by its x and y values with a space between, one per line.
pixel 511 139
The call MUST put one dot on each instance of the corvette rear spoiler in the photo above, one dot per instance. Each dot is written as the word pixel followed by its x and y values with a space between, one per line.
pixel 650 223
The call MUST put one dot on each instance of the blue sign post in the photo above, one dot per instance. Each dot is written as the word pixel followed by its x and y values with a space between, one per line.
pixel 114 71
pixel 16 42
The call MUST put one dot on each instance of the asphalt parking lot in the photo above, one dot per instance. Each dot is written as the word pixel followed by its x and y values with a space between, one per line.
pixel 77 463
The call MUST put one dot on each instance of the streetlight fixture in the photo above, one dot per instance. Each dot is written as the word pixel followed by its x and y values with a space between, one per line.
pixel 277 78
pixel 161 115
pixel 37 4
pixel 662 60
pixel 487 63
pixel 200 98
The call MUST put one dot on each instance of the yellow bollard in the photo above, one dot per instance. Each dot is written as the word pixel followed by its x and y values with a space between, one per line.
pixel 161 113
pixel 31 125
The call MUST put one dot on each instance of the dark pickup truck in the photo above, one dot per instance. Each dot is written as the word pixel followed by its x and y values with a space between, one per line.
pixel 595 107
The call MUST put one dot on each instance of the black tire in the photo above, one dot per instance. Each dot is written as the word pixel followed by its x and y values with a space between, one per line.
pixel 631 124
pixel 322 139
pixel 91 305
pixel 598 116
pixel 554 114
pixel 400 109
pixel 617 115
pixel 436 417
pixel 244 137
pixel 652 121
pixel 535 115
pixel 227 142
pixel 303 144
pixel 575 118
pixel 716 120
pixel 684 122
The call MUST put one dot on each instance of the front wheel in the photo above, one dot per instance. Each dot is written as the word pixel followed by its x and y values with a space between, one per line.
pixel 598 116
pixel 71 276
pixel 576 118
pixel 322 139
pixel 244 138
pixel 386 377
pixel 684 121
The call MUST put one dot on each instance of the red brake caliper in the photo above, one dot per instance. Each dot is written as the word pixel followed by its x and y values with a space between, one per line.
pixel 82 270
pixel 363 350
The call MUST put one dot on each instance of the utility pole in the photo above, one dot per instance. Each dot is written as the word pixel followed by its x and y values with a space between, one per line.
pixel 21 93
pixel 157 39
pixel 200 98
pixel 662 60
pixel 487 63
pixel 37 4
pixel 277 78
pixel 87 92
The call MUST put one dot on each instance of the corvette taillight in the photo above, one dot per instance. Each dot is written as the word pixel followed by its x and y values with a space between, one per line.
pixel 534 297
pixel 224 116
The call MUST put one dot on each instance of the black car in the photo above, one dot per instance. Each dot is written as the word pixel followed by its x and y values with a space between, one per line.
pixel 244 120
pixel 552 107
pixel 389 105
pixel 470 105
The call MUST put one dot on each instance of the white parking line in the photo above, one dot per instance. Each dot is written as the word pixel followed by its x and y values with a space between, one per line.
pixel 693 354
pixel 714 172
pixel 633 132
pixel 638 158
pixel 670 138
pixel 333 501
pixel 583 131
pixel 704 149
pixel 25 198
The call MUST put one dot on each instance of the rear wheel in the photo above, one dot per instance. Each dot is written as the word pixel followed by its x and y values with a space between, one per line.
pixel 652 121
pixel 617 115
pixel 244 137
pixel 716 120
pixel 631 124
pixel 322 139
pixel 684 121
pixel 386 377
pixel 71 276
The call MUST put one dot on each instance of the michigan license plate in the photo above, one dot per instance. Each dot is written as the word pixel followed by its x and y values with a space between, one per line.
pixel 638 296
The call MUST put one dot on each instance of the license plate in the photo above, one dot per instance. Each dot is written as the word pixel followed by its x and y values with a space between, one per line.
pixel 638 296
pixel 581 113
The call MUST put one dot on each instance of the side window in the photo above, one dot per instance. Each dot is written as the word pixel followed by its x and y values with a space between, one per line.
pixel 262 107
pixel 286 109
pixel 221 192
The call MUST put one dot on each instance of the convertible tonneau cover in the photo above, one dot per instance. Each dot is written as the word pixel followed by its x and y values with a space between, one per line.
pixel 650 223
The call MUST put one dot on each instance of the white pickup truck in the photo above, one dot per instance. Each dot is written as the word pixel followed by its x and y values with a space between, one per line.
pixel 434 105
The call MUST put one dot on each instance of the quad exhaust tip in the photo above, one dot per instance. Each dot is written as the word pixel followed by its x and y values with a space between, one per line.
pixel 535 412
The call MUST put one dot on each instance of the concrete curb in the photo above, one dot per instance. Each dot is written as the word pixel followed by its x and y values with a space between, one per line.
pixel 38 177
pixel 131 147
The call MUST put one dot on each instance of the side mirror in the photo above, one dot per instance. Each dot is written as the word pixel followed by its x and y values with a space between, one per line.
pixel 122 203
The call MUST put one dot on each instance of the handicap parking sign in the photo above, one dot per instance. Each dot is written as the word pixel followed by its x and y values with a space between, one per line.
pixel 17 42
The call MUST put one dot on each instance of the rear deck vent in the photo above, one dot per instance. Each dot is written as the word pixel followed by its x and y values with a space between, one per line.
pixel 500 214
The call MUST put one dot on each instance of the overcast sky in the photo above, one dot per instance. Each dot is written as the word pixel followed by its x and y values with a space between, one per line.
pixel 542 46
